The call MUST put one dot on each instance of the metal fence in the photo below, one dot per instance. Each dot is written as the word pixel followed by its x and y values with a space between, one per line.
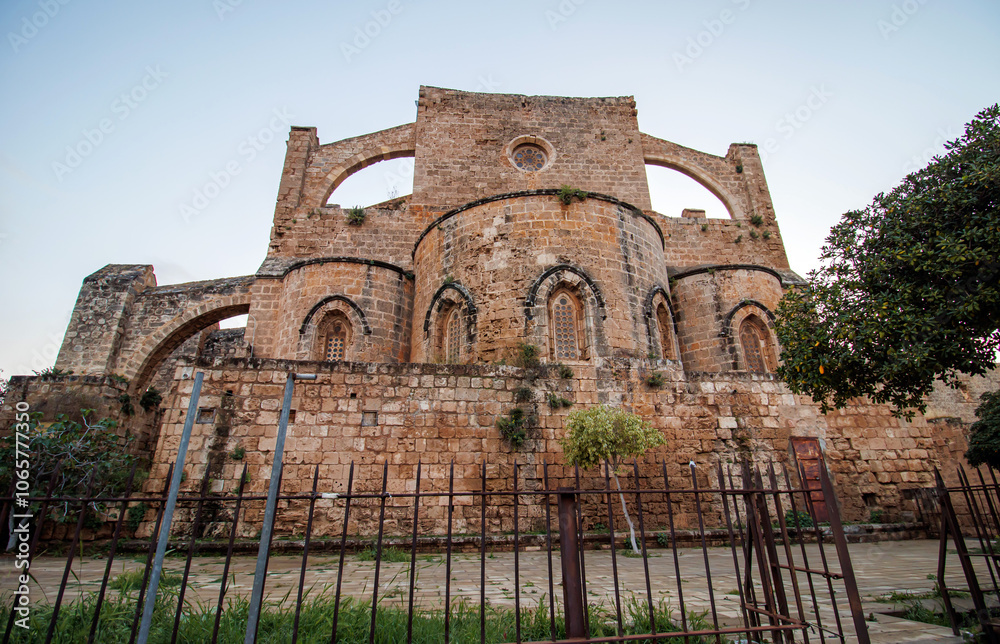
pixel 775 577
pixel 980 505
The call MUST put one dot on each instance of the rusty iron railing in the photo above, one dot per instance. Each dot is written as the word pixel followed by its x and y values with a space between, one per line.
pixel 735 558
pixel 981 504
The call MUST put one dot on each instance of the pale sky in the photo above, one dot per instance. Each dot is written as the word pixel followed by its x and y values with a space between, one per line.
pixel 115 115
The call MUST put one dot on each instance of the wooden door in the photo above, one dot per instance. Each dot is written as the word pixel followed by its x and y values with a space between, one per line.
pixel 809 457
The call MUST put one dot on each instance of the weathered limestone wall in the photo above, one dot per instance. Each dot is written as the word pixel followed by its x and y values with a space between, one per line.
pixel 501 253
pixel 688 245
pixel 375 298
pixel 710 305
pixel 436 414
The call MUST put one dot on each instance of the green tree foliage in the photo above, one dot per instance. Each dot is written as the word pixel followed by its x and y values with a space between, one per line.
pixel 81 450
pixel 909 291
pixel 984 434
pixel 608 435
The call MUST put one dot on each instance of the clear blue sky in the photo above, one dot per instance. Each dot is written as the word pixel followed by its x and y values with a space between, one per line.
pixel 852 95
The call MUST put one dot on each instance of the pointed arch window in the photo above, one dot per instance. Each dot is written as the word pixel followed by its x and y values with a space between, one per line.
pixel 755 345
pixel 564 313
pixel 453 336
pixel 666 335
pixel 333 337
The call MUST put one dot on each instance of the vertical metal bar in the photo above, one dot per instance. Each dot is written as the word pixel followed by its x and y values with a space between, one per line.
pixel 978 521
pixel 704 549
pixel 111 554
pixel 190 554
pixel 582 536
pixel 614 552
pixel 732 545
pixel 517 563
pixel 576 626
pixel 69 561
pixel 846 568
pixel 343 544
pixel 991 561
pixel 447 565
pixel 645 557
pixel 378 551
pixel 482 566
pixel 305 556
pixel 771 554
pixel 263 552
pixel 168 512
pixel 757 517
pixel 413 558
pixel 149 556
pixel 747 546
pixel 789 558
pixel 822 552
pixel 673 548
pixel 548 548
pixel 229 555
pixel 942 559
pixel 802 547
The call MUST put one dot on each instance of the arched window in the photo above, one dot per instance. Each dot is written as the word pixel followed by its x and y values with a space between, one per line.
pixel 756 348
pixel 564 317
pixel 333 337
pixel 666 332
pixel 453 336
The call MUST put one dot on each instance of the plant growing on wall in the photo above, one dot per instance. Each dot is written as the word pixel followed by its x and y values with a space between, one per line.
pixel 567 194
pixel 356 216
pixel 608 435
pixel 150 399
pixel 984 434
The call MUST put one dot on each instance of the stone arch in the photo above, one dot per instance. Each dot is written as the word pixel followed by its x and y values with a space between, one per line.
pixel 446 300
pixel 755 314
pixel 565 278
pixel 142 364
pixel 361 160
pixel 656 298
pixel 352 314
pixel 705 179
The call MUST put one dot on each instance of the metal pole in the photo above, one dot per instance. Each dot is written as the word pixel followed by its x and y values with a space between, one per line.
pixel 569 555
pixel 256 598
pixel 168 512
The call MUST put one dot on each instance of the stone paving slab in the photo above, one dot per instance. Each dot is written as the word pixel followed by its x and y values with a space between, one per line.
pixel 880 569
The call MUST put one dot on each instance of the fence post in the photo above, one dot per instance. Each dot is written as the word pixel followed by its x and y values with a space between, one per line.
pixel 569 551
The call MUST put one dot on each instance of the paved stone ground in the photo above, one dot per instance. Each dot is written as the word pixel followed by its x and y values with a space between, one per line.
pixel 880 568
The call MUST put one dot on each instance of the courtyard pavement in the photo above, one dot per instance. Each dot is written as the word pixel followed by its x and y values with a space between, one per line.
pixel 880 568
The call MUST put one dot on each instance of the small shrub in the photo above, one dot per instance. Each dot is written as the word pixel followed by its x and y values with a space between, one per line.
pixel 566 194
pixel 246 477
pixel 115 376
pixel 356 216
pixel 803 518
pixel 556 401
pixel 738 239
pixel 563 371
pixel 876 516
pixel 655 380
pixel 757 220
pixel 134 516
pixel 739 169
pixel 132 579
pixel 151 399
pixel 389 553
pixel 523 394
pixel 704 228
pixel 766 234
pixel 662 539
pixel 512 427
pixel 126 402
pixel 526 355
pixel 754 234
pixel 238 453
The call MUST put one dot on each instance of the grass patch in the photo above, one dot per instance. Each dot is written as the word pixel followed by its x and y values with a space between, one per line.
pixel 389 553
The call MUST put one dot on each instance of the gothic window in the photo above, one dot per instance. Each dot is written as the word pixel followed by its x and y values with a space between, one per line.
pixel 666 337
pixel 756 349
pixel 529 157
pixel 564 316
pixel 453 336
pixel 333 337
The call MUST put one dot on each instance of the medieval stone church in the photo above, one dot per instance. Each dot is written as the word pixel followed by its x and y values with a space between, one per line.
pixel 529 230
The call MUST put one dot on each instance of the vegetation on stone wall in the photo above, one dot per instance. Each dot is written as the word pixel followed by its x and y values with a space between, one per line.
pixel 356 216
pixel 909 290
pixel 984 434
pixel 608 435
pixel 567 194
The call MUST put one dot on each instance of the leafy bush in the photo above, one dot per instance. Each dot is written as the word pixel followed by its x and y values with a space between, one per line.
pixel 984 434
pixel 757 220
pixel 238 453
pixel 512 427
pixel 567 194
pixel 134 516
pixel 655 380
pixel 563 371
pixel 356 216
pixel 150 399
pixel 804 519
pixel 556 401
pixel 526 355
pixel 523 394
